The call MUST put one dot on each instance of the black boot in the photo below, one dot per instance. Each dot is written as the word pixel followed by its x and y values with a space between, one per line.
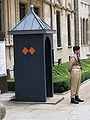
pixel 78 99
pixel 74 101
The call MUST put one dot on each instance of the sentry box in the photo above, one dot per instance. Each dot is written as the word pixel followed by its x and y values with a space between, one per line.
pixel 32 59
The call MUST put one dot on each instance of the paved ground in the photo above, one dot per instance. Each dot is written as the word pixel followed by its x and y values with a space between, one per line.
pixel 61 111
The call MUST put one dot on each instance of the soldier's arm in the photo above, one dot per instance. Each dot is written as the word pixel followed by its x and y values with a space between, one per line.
pixel 71 63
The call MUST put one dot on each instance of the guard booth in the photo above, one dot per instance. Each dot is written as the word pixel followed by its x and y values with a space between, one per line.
pixel 32 59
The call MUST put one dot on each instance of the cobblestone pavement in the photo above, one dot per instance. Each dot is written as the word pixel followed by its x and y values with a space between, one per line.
pixel 61 111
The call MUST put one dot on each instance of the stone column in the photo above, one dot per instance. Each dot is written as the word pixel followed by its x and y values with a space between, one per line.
pixel 89 25
pixel 9 15
pixel 11 9
pixel 17 11
pixel 6 19
pixel 76 7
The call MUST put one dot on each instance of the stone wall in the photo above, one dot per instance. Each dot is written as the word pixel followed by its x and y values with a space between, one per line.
pixel 12 17
pixel 84 27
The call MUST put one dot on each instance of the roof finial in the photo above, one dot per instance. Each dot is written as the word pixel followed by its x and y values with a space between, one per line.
pixel 31 8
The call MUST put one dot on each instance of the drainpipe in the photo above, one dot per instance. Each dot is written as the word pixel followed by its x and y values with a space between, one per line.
pixel 76 16
pixel 51 14
pixel 51 2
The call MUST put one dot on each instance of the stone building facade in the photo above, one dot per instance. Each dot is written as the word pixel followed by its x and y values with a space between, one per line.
pixel 59 14
pixel 84 27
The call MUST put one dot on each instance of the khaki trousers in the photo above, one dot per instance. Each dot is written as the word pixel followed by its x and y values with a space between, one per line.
pixel 75 81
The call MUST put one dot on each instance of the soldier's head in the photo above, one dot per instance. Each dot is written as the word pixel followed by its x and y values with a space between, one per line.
pixel 76 50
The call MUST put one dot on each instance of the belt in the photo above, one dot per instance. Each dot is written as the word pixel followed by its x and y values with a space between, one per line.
pixel 76 69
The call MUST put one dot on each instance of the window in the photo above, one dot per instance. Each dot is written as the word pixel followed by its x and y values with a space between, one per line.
pixel 84 31
pixel 22 8
pixel 36 10
pixel 69 30
pixel 69 58
pixel 81 31
pixel 87 31
pixel 58 29
pixel 59 61
pixel 0 16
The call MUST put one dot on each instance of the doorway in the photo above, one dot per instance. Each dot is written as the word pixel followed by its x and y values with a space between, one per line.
pixel 48 61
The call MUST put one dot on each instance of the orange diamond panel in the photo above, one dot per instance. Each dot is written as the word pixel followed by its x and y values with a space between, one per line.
pixel 25 50
pixel 32 50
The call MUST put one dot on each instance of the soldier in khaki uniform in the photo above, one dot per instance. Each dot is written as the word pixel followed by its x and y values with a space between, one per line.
pixel 75 72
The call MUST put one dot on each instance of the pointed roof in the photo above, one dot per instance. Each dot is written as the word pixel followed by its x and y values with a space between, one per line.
pixel 31 23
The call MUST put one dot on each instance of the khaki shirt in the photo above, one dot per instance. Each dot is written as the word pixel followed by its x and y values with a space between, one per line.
pixel 73 64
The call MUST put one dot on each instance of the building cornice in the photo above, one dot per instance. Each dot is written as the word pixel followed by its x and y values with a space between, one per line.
pixel 59 6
